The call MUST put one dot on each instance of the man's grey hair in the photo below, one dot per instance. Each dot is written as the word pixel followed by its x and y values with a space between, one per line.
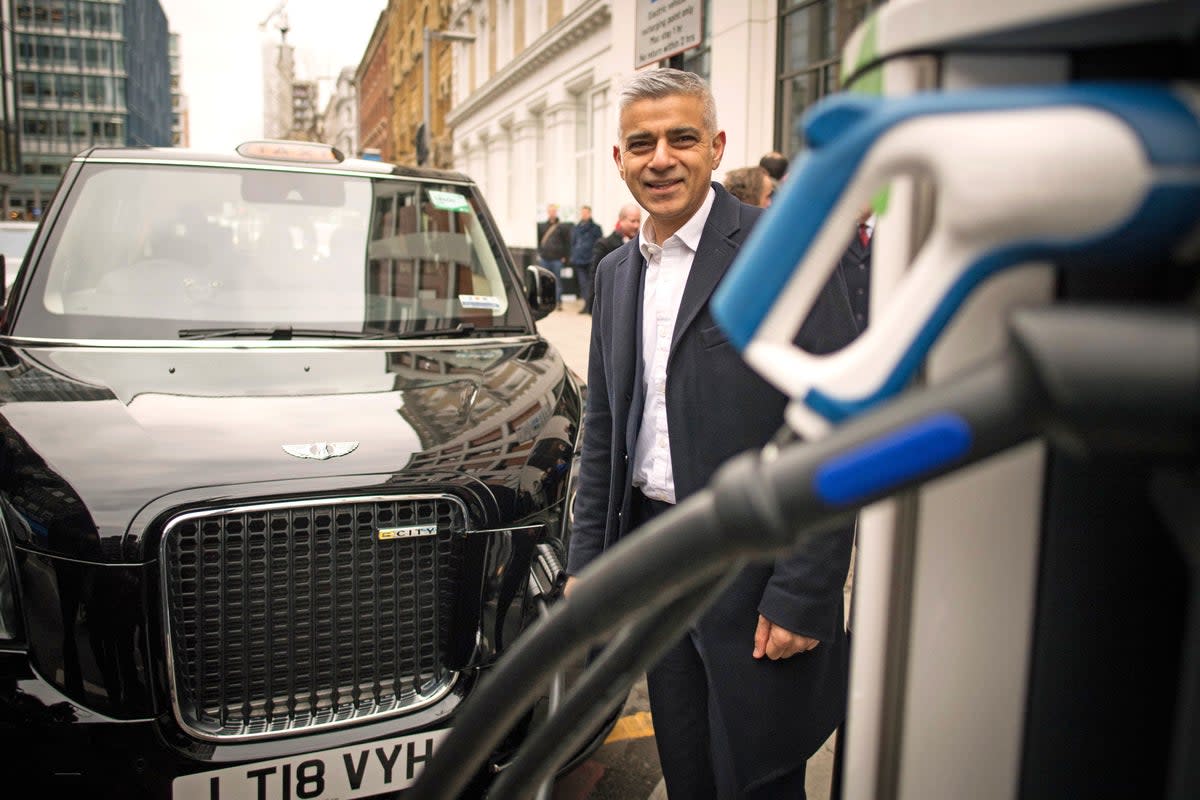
pixel 656 84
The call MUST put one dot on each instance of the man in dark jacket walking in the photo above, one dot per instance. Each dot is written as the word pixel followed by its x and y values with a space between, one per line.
pixel 583 238
pixel 554 245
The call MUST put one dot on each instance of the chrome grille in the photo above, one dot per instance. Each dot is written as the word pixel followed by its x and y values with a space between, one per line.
pixel 287 617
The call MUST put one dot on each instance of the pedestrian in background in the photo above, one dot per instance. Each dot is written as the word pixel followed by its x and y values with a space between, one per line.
pixel 758 682
pixel 776 165
pixel 751 185
pixel 554 245
pixel 584 236
pixel 629 221
pixel 855 266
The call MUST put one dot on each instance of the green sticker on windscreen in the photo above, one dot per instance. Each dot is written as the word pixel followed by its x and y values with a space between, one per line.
pixel 448 201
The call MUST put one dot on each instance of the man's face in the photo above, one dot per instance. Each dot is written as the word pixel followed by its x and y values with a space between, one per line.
pixel 585 214
pixel 768 192
pixel 666 157
pixel 630 222
pixel 551 211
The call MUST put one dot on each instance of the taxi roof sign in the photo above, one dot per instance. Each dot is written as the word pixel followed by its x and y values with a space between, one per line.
pixel 309 152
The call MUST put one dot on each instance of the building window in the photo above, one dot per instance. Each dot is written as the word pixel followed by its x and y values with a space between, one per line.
pixel 539 149
pixel 584 154
pixel 508 157
pixel 699 59
pixel 811 35
pixel 535 20
pixel 504 33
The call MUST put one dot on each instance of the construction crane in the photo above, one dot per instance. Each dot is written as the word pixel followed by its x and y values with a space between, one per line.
pixel 281 23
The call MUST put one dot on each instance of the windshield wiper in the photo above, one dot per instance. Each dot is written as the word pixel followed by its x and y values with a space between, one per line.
pixel 278 334
pixel 461 329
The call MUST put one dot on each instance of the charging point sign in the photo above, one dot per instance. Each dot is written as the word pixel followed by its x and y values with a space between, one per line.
pixel 666 28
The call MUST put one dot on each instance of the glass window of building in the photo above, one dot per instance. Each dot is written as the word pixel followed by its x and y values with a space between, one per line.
pixel 811 35
pixel 584 154
pixel 699 59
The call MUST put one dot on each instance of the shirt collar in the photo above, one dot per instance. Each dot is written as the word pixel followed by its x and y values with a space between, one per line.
pixel 689 233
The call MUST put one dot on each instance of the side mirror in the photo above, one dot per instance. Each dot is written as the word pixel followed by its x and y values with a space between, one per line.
pixel 540 288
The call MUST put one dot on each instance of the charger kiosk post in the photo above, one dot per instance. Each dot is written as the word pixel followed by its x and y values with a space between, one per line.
pixel 992 608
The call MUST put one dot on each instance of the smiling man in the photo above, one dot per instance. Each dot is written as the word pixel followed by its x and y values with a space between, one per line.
pixel 758 682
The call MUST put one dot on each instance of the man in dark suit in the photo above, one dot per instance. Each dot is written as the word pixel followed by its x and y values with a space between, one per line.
pixel 628 223
pixel 554 245
pixel 855 266
pixel 584 236
pixel 759 681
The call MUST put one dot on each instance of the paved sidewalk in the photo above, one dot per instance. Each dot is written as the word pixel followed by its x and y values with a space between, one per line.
pixel 570 333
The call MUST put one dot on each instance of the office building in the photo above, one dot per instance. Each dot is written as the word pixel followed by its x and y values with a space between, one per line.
pixel 87 72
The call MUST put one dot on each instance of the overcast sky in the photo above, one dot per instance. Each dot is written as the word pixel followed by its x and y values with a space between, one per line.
pixel 221 47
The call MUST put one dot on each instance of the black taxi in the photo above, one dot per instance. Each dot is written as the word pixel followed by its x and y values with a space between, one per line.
pixel 284 467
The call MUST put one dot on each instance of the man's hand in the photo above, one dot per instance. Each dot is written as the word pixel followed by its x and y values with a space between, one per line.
pixel 775 642
pixel 570 584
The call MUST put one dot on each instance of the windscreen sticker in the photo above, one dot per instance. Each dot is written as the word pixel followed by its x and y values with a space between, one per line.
pixel 479 301
pixel 448 201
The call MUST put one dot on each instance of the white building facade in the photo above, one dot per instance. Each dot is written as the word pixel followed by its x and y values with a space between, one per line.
pixel 535 111
pixel 339 124
pixel 279 73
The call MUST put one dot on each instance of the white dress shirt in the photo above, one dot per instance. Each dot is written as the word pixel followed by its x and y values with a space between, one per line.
pixel 667 270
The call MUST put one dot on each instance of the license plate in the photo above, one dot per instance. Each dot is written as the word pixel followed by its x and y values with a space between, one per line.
pixel 342 773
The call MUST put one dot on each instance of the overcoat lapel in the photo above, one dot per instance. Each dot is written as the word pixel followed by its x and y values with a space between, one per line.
pixel 713 256
pixel 626 339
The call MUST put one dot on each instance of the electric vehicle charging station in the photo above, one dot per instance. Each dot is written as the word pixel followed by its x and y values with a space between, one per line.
pixel 1018 627
pixel 1026 612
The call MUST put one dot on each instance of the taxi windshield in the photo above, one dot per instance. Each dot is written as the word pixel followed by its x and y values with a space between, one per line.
pixel 142 251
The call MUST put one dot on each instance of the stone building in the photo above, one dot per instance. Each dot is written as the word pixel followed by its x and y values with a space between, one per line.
pixel 375 93
pixel 409 19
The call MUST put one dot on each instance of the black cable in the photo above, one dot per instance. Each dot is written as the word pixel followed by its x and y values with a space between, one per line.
pixel 605 684
pixel 686 550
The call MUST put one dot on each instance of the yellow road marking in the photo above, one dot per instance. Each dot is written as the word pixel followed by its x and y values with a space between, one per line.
pixel 634 726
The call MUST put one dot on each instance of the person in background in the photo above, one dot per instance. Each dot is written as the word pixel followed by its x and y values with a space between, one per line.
pixel 629 221
pixel 855 266
pixel 751 185
pixel 758 682
pixel 584 236
pixel 776 165
pixel 554 245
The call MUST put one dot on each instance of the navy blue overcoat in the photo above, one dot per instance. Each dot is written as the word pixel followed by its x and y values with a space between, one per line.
pixel 776 713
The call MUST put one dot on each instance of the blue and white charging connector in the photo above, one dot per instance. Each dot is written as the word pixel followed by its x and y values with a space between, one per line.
pixel 1079 176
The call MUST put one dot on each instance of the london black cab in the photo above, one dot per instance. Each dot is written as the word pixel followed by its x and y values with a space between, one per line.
pixel 285 466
